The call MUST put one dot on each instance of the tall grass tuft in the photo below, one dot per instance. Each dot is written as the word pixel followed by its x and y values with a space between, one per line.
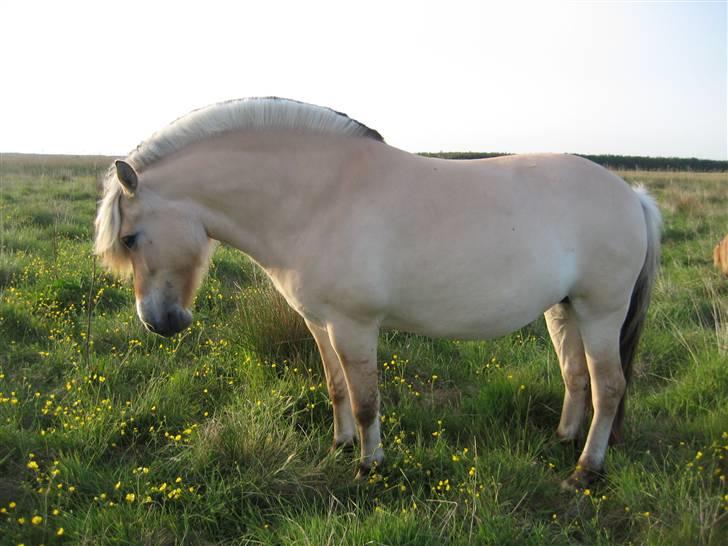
pixel 269 327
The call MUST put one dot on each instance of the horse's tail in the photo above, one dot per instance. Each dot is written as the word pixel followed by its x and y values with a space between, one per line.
pixel 632 328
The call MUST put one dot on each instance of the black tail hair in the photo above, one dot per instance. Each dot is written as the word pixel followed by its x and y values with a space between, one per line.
pixel 641 293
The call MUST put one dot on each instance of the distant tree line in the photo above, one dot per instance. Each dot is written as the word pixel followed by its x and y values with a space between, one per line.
pixel 620 162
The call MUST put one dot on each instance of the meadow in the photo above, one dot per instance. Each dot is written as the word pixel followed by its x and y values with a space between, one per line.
pixel 222 435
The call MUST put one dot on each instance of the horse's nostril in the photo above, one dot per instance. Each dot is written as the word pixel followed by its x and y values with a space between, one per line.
pixel 177 320
pixel 173 321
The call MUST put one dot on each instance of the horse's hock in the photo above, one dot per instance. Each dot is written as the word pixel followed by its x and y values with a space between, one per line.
pixel 720 256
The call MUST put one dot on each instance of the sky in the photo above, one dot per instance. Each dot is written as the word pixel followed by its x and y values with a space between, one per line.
pixel 633 78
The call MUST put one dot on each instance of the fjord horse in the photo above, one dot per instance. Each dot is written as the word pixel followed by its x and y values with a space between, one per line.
pixel 358 236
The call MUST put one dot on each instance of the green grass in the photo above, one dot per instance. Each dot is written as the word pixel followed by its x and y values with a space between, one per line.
pixel 222 434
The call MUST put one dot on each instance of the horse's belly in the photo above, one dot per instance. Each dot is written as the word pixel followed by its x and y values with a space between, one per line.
pixel 477 312
pixel 466 328
pixel 478 290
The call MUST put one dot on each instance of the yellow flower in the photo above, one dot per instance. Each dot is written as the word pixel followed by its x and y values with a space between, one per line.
pixel 60 532
pixel 118 485
pixel 587 492
pixel 130 497
pixel 36 520
pixel 12 504
pixel 32 465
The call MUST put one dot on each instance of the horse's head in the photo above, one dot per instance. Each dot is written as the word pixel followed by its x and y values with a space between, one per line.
pixel 157 239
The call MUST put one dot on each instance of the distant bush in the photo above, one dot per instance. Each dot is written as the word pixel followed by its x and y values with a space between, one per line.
pixel 617 162
pixel 641 163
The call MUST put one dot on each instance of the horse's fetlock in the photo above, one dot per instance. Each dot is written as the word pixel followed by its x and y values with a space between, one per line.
pixel 338 395
pixel 366 414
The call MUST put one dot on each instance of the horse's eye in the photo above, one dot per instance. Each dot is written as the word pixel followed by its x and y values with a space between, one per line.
pixel 129 241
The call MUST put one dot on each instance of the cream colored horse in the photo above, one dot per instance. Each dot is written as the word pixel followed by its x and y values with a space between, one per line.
pixel 359 236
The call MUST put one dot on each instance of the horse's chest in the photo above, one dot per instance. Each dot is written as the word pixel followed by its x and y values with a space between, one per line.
pixel 299 296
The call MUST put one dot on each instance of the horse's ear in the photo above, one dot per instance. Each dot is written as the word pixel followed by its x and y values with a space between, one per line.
pixel 127 176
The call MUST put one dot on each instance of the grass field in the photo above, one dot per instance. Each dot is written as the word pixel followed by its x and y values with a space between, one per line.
pixel 110 435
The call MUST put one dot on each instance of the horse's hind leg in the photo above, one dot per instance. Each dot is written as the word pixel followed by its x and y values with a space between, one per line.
pixel 344 426
pixel 601 335
pixel 566 338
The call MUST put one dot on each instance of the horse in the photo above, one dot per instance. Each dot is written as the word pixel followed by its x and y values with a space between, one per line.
pixel 358 235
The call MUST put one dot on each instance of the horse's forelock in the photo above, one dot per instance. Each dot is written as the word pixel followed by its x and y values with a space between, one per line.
pixel 108 223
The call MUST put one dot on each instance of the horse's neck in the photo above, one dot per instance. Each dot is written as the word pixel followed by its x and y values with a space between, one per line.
pixel 258 192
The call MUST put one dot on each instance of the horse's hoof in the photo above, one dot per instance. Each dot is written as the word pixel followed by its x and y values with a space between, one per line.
pixel 363 472
pixel 581 478
pixel 366 470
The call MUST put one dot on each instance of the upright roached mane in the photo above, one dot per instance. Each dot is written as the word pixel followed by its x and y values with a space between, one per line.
pixel 198 125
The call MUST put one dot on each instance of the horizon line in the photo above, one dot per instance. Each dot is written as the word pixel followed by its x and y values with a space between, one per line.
pixel 467 152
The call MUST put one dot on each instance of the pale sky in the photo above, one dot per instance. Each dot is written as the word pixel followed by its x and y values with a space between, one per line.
pixel 640 78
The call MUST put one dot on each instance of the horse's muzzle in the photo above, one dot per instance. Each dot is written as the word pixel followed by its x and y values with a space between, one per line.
pixel 173 322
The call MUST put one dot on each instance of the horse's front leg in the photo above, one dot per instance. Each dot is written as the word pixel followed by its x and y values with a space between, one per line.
pixel 344 426
pixel 356 344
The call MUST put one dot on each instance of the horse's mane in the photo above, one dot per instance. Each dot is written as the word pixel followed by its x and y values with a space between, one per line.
pixel 241 114
pixel 207 122
pixel 107 246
